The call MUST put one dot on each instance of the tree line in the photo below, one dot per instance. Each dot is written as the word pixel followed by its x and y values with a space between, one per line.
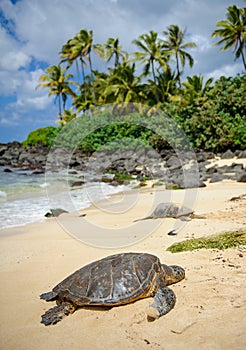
pixel 157 83
pixel 152 76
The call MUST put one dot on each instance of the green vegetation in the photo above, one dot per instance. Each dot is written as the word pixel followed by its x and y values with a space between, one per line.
pixel 44 136
pixel 213 117
pixel 58 83
pixel 221 241
pixel 232 32
pixel 121 177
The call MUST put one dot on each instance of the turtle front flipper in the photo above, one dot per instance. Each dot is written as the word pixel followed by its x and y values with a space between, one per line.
pixel 49 296
pixel 164 301
pixel 56 314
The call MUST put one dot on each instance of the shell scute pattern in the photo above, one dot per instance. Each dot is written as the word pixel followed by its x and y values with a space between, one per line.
pixel 115 280
pixel 112 280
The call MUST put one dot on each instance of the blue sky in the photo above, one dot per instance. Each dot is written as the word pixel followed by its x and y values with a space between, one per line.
pixel 32 33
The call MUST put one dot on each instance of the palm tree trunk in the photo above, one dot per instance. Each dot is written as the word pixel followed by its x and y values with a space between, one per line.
pixel 77 69
pixel 154 77
pixel 59 106
pixel 178 70
pixel 244 61
pixel 92 80
pixel 153 70
pixel 116 62
pixel 242 54
pixel 83 77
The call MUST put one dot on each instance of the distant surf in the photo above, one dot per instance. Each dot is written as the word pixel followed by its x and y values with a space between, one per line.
pixel 24 198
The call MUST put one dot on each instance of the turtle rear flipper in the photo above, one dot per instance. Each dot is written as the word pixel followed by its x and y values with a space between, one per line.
pixel 164 301
pixel 56 313
pixel 146 218
pixel 196 216
pixel 49 296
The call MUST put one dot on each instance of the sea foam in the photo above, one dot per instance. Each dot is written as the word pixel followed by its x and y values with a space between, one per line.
pixel 3 194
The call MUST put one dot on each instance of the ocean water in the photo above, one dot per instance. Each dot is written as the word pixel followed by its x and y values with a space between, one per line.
pixel 26 197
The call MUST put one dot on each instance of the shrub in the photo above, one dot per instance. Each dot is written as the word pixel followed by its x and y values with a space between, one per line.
pixel 45 136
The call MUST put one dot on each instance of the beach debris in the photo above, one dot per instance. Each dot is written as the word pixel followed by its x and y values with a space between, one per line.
pixel 77 183
pixel 172 233
pixel 237 198
pixel 172 210
pixel 115 280
pixel 7 170
pixel 55 212
pixel 184 329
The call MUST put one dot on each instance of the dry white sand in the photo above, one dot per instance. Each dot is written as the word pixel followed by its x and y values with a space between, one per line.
pixel 210 312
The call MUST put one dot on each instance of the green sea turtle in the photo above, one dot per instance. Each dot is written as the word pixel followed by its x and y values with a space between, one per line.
pixel 172 210
pixel 115 280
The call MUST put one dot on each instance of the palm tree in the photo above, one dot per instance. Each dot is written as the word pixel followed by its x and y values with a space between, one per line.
pixel 233 32
pixel 111 49
pixel 86 38
pixel 84 42
pixel 166 84
pixel 150 54
pixel 124 85
pixel 59 84
pixel 67 116
pixel 100 83
pixel 80 47
pixel 176 45
pixel 194 87
pixel 72 52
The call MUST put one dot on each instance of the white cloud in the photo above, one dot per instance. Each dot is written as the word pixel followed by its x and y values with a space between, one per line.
pixel 202 42
pixel 28 96
pixel 228 70
pixel 44 26
pixel 12 56
pixel 14 60
pixel 22 84
pixel 38 29
pixel 26 103
pixel 9 120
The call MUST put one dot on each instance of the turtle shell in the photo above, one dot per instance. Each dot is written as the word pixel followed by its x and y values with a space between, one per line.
pixel 114 280
pixel 165 210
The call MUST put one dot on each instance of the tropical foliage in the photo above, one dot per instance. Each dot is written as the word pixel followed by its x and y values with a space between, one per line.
pixel 43 136
pixel 58 83
pixel 233 32
pixel 212 113
pixel 175 43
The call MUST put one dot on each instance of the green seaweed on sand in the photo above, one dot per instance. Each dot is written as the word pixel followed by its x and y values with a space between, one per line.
pixel 120 176
pixel 220 241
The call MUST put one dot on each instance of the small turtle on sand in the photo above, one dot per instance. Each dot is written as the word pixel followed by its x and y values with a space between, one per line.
pixel 115 280
pixel 172 210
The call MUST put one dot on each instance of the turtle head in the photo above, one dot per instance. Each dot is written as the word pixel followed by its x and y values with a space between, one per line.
pixel 173 273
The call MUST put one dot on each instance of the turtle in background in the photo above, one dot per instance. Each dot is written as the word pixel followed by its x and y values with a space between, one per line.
pixel 115 280
pixel 172 210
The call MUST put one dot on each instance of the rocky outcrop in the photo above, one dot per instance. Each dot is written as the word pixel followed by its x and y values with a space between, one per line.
pixel 179 170
pixel 15 155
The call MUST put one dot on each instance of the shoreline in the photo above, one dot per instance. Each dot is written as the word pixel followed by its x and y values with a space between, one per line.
pixel 114 198
pixel 210 301
pixel 214 163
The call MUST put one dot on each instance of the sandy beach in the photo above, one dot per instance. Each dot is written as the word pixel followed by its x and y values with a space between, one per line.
pixel 210 312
